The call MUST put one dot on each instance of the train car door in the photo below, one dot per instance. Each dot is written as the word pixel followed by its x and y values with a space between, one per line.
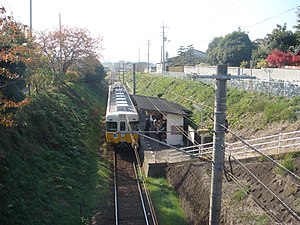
pixel 122 128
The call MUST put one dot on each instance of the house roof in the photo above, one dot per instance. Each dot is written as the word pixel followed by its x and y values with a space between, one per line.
pixel 148 103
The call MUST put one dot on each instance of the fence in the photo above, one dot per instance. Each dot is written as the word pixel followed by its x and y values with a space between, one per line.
pixel 270 86
pixel 269 145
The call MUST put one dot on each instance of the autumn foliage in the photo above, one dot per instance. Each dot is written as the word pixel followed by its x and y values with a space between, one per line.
pixel 14 53
pixel 280 59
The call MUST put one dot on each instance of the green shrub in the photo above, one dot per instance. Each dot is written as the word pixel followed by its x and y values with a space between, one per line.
pixel 288 161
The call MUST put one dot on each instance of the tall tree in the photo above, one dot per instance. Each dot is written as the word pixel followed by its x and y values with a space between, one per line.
pixel 186 56
pixel 65 47
pixel 260 53
pixel 297 26
pixel 213 52
pixel 90 69
pixel 281 39
pixel 231 50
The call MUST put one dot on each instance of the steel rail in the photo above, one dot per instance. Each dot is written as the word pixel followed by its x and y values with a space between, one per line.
pixel 141 194
pixel 116 190
pixel 150 204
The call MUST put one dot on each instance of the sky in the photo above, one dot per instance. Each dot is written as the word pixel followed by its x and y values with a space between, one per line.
pixel 126 26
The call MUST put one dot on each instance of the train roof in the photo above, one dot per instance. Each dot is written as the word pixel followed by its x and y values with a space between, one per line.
pixel 119 100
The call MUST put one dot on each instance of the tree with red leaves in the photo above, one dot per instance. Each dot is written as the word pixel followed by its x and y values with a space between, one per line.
pixel 280 59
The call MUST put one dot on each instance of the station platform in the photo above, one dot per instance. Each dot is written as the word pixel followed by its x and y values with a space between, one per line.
pixel 157 156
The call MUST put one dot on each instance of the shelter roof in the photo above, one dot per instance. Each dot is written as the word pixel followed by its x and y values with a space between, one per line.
pixel 148 103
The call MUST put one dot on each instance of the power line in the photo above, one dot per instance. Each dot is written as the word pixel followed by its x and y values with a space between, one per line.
pixel 261 153
pixel 270 18
pixel 294 214
pixel 148 55
pixel 255 199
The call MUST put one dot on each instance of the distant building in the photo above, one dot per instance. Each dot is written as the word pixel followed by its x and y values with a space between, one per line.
pixel 199 53
pixel 189 57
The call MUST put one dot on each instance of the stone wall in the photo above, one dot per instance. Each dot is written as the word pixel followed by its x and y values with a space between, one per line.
pixel 291 75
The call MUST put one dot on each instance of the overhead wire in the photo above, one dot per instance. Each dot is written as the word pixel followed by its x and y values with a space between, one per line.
pixel 179 128
pixel 230 7
pixel 254 198
pixel 235 180
pixel 135 148
pixel 261 153
pixel 270 18
pixel 269 212
pixel 291 211
pixel 166 116
pixel 294 214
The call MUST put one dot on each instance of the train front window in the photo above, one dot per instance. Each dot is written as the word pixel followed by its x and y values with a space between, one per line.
pixel 134 125
pixel 122 126
pixel 111 126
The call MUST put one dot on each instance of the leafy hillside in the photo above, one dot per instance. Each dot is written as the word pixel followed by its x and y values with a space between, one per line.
pixel 250 111
pixel 49 163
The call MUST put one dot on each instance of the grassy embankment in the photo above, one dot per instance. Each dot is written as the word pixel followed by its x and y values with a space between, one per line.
pixel 49 162
pixel 253 111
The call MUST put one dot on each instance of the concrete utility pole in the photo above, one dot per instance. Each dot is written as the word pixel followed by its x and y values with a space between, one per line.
pixel 218 145
pixel 30 28
pixel 30 24
pixel 60 44
pixel 119 72
pixel 148 55
pixel 123 71
pixel 133 70
pixel 163 49
pixel 218 142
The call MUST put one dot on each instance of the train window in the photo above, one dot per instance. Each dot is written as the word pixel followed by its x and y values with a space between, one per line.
pixel 122 126
pixel 111 126
pixel 134 125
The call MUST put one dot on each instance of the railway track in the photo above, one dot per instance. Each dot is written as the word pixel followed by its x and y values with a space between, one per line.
pixel 132 203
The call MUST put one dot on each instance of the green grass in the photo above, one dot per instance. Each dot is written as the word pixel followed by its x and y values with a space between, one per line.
pixel 253 219
pixel 49 164
pixel 165 202
pixel 239 195
pixel 288 161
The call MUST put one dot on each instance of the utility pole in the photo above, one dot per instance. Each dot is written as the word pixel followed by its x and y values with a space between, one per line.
pixel 30 29
pixel 119 72
pixel 148 55
pixel 218 140
pixel 60 46
pixel 133 70
pixel 123 72
pixel 30 24
pixel 218 145
pixel 139 60
pixel 163 49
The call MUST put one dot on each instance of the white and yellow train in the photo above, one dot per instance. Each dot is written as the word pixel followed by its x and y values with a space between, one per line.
pixel 122 118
